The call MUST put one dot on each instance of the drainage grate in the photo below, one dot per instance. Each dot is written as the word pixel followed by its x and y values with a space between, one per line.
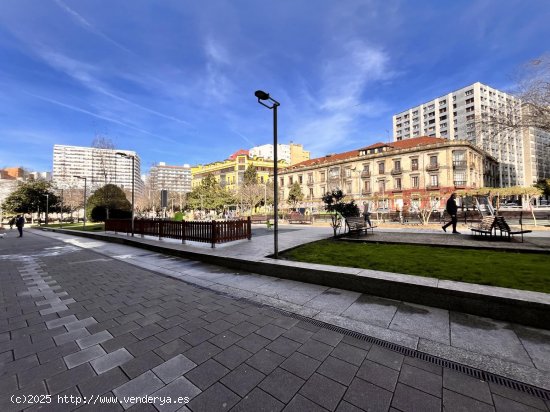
pixel 413 353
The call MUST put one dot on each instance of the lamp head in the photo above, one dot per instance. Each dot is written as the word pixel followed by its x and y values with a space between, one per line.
pixel 261 95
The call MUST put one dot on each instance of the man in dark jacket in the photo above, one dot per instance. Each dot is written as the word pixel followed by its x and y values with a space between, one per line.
pixel 20 222
pixel 452 209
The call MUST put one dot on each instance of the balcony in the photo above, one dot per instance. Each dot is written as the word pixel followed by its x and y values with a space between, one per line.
pixel 432 167
pixel 432 187
pixel 366 192
pixel 395 172
pixel 399 190
pixel 310 182
pixel 460 184
pixel 365 174
pixel 459 164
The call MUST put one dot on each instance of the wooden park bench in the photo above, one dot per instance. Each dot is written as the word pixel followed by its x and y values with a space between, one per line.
pixel 485 227
pixel 506 230
pixel 260 218
pixel 357 224
pixel 297 217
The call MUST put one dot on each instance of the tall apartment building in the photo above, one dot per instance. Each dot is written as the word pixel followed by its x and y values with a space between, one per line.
pixel 394 175
pixel 457 115
pixel 99 166
pixel 291 153
pixel 172 178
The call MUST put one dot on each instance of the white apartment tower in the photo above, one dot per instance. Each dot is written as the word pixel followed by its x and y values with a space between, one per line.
pixel 457 115
pixel 291 153
pixel 98 166
pixel 172 178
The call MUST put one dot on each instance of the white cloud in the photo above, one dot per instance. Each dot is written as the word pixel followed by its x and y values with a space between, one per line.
pixel 90 27
pixel 331 116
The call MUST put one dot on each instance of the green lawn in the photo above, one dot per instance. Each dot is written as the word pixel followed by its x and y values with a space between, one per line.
pixel 90 227
pixel 526 271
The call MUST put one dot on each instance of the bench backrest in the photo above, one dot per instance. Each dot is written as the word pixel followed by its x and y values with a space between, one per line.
pixel 353 221
pixel 487 223
pixel 502 224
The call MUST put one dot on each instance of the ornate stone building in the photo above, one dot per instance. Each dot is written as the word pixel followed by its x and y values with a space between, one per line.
pixel 394 175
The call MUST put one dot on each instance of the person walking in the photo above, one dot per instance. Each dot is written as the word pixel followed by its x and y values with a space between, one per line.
pixel 452 209
pixel 366 213
pixel 11 222
pixel 19 223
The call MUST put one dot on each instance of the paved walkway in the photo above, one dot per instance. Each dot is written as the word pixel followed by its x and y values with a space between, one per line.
pixel 77 322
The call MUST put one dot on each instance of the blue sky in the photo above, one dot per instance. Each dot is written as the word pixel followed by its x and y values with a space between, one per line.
pixel 174 80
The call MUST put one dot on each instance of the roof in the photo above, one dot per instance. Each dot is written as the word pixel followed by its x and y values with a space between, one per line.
pixel 402 144
pixel 408 143
pixel 240 152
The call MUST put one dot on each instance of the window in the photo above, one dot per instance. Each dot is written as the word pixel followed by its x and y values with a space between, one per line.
pixel 434 180
pixel 382 186
pixel 431 106
pixel 443 117
pixel 469 92
pixel 442 102
pixel 397 165
pixel 290 180
pixel 300 180
pixel 381 168
pixel 322 177
pixel 414 164
pixel 311 193
pixel 415 112
pixel 415 182
pixel 470 117
pixel 310 177
pixel 470 100
pixel 367 186
pixel 397 183
pixel 282 181
pixel 443 110
pixel 433 160
pixel 470 109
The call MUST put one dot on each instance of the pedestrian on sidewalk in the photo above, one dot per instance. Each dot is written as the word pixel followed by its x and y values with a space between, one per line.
pixel 366 213
pixel 11 222
pixel 20 222
pixel 452 210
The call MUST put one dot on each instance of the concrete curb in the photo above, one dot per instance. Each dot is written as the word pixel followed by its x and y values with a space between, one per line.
pixel 522 307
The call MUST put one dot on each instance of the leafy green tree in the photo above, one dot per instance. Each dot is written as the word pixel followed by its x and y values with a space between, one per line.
pixel 107 202
pixel 295 194
pixel 209 195
pixel 31 197
pixel 544 185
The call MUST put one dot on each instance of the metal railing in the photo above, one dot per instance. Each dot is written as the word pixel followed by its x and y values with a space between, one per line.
pixel 212 232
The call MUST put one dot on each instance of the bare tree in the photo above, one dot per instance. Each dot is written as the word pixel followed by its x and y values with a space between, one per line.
pixel 102 159
pixel 531 108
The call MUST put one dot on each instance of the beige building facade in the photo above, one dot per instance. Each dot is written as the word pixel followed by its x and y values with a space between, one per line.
pixel 394 175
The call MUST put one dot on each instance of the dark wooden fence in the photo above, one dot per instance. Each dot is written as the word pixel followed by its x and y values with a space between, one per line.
pixel 208 232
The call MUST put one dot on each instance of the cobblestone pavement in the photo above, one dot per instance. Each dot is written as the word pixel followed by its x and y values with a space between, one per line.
pixel 75 325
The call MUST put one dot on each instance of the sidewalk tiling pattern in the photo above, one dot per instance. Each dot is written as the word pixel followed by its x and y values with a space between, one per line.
pixel 77 323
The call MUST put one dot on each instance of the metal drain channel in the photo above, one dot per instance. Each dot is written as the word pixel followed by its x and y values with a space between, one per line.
pixel 413 353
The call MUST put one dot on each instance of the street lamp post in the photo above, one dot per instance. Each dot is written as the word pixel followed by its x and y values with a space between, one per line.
pixel 273 104
pixel 47 206
pixel 133 180
pixel 85 180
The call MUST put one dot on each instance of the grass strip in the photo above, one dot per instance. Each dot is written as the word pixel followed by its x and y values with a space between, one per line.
pixel 526 271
